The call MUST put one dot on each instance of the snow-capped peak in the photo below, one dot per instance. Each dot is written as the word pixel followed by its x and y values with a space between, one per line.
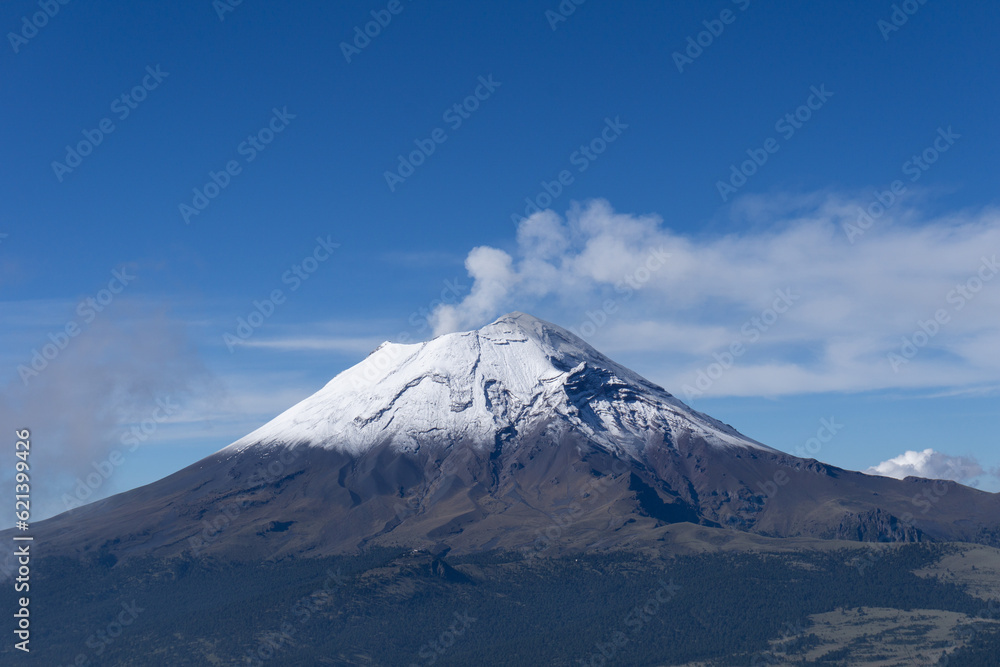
pixel 514 373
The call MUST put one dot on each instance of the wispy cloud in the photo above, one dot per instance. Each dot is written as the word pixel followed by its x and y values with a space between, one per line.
pixel 111 374
pixel 987 390
pixel 334 344
pixel 859 302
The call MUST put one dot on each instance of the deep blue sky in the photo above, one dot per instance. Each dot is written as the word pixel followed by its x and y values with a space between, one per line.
pixel 323 175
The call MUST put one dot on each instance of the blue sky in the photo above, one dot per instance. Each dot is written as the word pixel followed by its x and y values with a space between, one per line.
pixel 289 136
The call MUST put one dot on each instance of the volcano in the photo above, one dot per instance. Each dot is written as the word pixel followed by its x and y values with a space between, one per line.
pixel 517 436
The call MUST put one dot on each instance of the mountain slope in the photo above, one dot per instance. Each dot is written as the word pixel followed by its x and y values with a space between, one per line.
pixel 511 374
pixel 516 436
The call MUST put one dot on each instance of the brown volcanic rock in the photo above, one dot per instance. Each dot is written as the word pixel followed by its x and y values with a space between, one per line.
pixel 518 436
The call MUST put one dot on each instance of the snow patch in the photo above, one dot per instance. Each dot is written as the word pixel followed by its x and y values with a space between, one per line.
pixel 517 371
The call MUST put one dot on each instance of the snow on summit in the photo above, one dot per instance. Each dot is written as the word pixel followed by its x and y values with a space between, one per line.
pixel 515 373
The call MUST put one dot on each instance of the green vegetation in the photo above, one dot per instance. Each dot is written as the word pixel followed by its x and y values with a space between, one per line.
pixel 393 607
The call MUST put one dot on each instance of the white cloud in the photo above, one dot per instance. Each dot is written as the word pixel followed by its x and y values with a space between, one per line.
pixel 343 344
pixel 595 271
pixel 494 279
pixel 115 372
pixel 930 464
